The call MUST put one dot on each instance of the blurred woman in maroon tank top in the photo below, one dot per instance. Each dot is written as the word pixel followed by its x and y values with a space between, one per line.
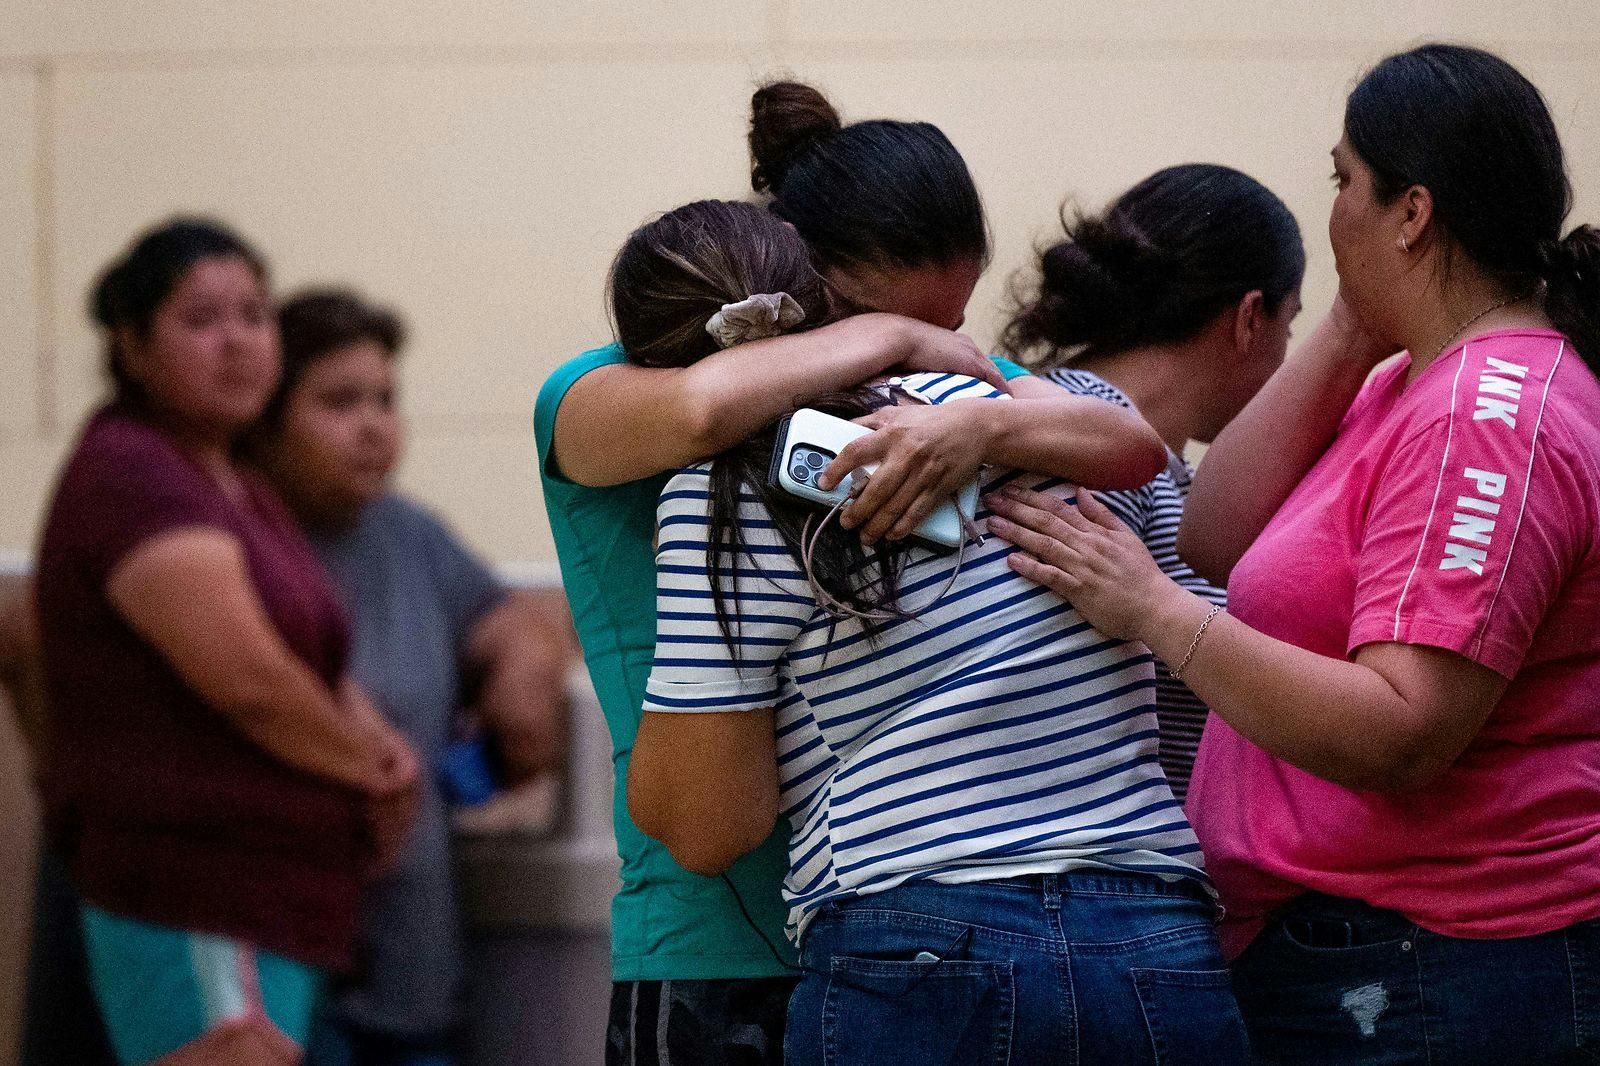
pixel 218 787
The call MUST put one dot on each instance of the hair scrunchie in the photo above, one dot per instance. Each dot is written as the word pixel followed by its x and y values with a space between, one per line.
pixel 755 318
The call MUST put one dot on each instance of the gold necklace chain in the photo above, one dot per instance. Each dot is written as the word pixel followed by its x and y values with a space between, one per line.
pixel 1468 323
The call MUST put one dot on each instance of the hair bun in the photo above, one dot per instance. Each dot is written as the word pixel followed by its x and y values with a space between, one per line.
pixel 1069 269
pixel 1098 288
pixel 785 118
pixel 1105 277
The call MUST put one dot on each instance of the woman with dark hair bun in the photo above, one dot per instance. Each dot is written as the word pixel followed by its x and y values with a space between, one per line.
pixel 218 785
pixel 986 861
pixel 889 208
pixel 1177 301
pixel 612 425
pixel 1399 787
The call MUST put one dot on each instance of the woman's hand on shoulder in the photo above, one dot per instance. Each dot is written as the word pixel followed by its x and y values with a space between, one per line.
pixel 1083 553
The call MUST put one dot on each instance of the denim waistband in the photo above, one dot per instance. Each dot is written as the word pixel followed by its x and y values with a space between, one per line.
pixel 1320 920
pixel 1102 884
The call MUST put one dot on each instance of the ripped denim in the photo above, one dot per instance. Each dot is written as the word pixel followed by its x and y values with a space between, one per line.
pixel 1339 981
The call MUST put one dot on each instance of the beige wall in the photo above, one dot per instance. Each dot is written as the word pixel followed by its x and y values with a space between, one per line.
pixel 477 161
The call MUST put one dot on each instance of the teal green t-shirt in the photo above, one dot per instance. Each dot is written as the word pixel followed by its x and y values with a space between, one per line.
pixel 666 924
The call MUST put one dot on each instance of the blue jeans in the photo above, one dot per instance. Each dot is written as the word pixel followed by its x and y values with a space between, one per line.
pixel 1339 981
pixel 1071 968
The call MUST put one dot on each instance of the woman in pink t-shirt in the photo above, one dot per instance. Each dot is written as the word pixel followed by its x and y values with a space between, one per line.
pixel 1399 792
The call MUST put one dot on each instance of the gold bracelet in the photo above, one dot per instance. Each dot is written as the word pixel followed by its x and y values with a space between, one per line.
pixel 1216 609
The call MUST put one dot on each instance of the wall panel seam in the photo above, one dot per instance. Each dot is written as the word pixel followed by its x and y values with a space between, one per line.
pixel 44 246
pixel 778 26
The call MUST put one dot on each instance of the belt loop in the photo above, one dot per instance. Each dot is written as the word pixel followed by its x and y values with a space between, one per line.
pixel 1051 883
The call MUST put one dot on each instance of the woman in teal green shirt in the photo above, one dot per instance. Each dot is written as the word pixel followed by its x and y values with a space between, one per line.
pixel 892 215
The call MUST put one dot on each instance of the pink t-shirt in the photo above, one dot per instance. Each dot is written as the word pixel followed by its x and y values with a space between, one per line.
pixel 1461 512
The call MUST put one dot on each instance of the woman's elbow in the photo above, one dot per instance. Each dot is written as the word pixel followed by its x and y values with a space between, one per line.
pixel 702 844
pixel 709 853
pixel 1203 557
pixel 704 858
pixel 1139 457
pixel 1404 773
pixel 1396 766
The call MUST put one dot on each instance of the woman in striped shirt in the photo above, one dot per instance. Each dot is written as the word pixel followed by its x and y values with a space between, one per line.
pixel 1177 301
pixel 986 862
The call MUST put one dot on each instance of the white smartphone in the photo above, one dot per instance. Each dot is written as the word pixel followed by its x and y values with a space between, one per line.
pixel 809 440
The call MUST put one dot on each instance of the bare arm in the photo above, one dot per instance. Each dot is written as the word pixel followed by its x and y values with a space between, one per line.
pixel 1392 720
pixel 1089 442
pixel 523 653
pixel 705 785
pixel 189 594
pixel 621 423
pixel 1263 453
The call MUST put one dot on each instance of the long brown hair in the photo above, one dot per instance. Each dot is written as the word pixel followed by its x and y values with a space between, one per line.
pixel 668 280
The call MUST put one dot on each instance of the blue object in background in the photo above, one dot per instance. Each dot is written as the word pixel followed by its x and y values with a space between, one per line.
pixel 466 775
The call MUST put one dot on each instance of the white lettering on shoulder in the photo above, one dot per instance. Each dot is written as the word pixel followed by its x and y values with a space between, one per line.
pixel 1473 522
pixel 1499 391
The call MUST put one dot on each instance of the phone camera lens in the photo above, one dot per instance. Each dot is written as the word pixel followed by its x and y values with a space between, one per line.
pixel 814 461
pixel 799 472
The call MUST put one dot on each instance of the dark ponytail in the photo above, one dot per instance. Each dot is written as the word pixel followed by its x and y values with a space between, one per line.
pixel 134 286
pixel 1571 272
pixel 670 277
pixel 1157 265
pixel 880 194
pixel 1477 134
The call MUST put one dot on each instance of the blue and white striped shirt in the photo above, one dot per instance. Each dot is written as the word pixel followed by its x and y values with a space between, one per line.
pixel 997 734
pixel 1154 513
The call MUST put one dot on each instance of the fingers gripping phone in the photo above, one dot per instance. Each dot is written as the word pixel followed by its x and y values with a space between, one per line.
pixel 809 440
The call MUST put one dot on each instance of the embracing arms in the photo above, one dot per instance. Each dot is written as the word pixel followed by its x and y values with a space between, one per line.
pixel 620 423
pixel 927 453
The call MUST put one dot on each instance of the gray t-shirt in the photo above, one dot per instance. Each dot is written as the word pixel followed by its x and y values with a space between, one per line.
pixel 414 595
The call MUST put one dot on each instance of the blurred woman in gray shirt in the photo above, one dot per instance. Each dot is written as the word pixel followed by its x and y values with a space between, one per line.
pixel 433 632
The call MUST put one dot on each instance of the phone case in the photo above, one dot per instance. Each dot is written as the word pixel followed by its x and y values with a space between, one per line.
pixel 811 432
